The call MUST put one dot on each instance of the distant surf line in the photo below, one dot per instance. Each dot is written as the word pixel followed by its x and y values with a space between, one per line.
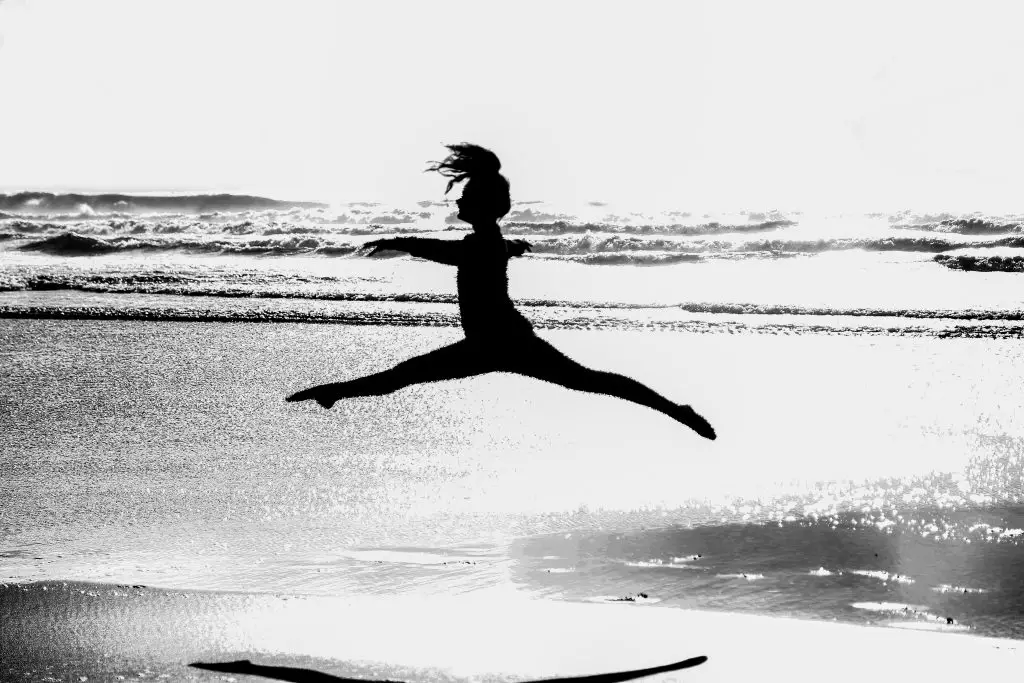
pixel 432 319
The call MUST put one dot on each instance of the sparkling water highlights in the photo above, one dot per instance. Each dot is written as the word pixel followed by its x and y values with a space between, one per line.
pixel 869 466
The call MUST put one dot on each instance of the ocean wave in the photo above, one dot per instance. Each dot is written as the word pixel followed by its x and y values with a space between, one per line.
pixel 79 204
pixel 177 224
pixel 635 598
pixel 635 259
pixel 659 564
pixel 883 576
pixel 598 244
pixel 962 590
pixel 243 306
pixel 568 227
pixel 591 243
pixel 1003 264
pixel 268 284
pixel 29 227
pixel 687 558
pixel 72 244
pixel 254 315
pixel 783 309
pixel 890 607
pixel 76 244
pixel 918 616
pixel 967 226
pixel 748 577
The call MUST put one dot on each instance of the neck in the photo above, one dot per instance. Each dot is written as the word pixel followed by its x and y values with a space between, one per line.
pixel 487 229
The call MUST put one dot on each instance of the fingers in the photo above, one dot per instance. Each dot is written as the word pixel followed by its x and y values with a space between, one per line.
pixel 520 246
pixel 300 396
pixel 318 394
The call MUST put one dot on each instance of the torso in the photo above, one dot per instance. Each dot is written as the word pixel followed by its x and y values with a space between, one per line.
pixel 484 303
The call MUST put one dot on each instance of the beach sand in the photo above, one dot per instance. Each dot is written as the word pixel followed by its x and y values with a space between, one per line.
pixel 81 631
pixel 164 454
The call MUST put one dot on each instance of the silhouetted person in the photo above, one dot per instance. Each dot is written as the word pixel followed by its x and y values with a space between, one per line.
pixel 498 337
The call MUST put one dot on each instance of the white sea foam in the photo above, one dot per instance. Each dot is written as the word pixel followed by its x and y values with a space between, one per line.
pixel 687 558
pixel 936 625
pixel 748 577
pixel 883 575
pixel 659 564
pixel 913 616
pixel 406 557
pixel 633 599
pixel 964 590
pixel 893 607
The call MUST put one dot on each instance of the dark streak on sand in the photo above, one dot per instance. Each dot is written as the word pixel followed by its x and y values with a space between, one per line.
pixel 287 673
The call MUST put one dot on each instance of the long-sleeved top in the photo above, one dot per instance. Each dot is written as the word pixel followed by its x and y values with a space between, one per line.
pixel 482 281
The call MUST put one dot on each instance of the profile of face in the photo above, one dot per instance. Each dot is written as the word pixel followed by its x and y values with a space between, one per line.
pixel 470 209
pixel 482 204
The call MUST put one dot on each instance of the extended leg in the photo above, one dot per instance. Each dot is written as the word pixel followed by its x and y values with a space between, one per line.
pixel 454 361
pixel 543 361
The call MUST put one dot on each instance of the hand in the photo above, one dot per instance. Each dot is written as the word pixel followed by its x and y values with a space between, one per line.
pixel 519 247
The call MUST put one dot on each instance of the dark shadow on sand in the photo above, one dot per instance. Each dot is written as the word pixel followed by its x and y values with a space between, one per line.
pixel 288 673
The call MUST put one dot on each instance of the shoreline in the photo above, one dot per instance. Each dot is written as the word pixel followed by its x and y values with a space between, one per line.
pixel 97 630
pixel 718 319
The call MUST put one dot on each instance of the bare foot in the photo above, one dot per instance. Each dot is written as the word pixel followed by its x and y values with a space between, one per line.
pixel 318 394
pixel 689 417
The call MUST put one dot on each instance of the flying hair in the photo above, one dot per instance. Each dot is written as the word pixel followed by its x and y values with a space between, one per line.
pixel 466 161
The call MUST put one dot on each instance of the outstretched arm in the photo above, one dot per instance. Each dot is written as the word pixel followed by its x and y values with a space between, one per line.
pixel 448 252
pixel 517 247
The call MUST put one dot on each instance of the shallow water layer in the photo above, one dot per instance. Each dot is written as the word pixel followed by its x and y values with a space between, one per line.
pixel 75 631
pixel 163 453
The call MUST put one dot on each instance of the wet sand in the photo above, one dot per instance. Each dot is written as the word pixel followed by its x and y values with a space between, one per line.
pixel 164 454
pixel 82 631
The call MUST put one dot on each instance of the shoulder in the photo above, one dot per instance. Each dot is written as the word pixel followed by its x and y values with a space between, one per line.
pixel 484 244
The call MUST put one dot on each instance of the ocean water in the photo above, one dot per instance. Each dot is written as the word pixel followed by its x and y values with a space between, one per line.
pixel 863 374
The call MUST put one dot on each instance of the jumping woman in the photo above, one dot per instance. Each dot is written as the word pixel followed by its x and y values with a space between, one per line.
pixel 498 337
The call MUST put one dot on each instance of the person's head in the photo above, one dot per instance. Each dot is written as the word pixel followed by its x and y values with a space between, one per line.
pixel 485 196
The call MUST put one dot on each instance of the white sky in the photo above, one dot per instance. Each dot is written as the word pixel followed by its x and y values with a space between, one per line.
pixel 678 104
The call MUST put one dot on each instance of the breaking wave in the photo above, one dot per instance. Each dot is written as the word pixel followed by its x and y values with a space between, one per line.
pixel 635 258
pixel 967 226
pixel 588 248
pixel 221 310
pixel 263 284
pixel 563 227
pixel 632 244
pixel 74 244
pixel 88 204
pixel 1004 264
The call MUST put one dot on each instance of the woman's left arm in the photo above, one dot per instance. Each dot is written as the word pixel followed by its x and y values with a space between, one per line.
pixel 517 247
